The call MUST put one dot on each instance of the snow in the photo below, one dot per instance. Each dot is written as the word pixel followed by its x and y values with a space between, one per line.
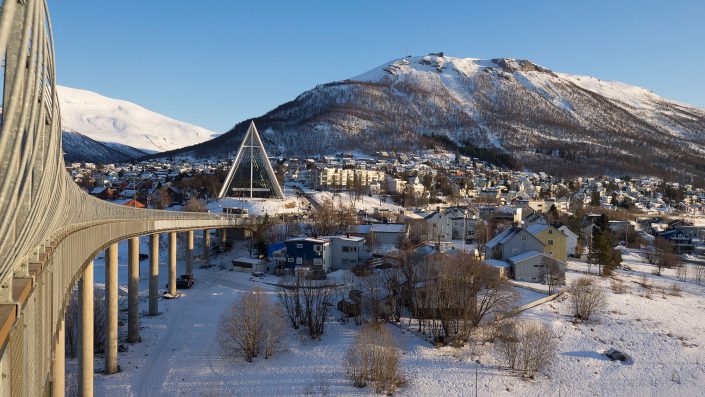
pixel 179 354
pixel 289 205
pixel 366 203
pixel 116 121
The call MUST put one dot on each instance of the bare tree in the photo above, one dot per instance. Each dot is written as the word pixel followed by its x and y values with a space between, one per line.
pixel 552 274
pixel 317 300
pixel 195 205
pixel 99 322
pixel 290 300
pixel 251 324
pixel 528 346
pixel 456 294
pixel 373 293
pixel 374 357
pixel 699 273
pixel 682 272
pixel 663 255
pixel 587 298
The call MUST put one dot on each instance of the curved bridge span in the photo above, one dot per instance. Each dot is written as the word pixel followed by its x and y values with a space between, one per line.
pixel 50 230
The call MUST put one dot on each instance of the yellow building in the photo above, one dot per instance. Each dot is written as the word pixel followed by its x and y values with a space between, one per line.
pixel 554 241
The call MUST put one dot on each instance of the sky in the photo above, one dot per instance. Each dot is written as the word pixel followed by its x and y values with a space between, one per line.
pixel 217 62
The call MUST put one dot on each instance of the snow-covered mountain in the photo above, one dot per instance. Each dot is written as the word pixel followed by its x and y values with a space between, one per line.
pixel 109 120
pixel 78 147
pixel 547 121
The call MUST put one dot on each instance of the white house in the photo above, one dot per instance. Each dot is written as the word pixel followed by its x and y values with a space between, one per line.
pixel 571 242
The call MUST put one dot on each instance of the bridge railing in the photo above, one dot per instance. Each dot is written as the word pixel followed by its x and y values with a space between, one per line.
pixel 49 227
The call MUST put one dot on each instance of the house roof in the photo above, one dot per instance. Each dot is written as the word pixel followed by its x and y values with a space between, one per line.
pixel 501 238
pixel 389 228
pixel 497 263
pixel 360 229
pixel 536 228
pixel 524 256
pixel 308 240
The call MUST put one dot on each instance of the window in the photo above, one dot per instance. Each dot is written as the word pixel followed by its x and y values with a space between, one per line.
pixel 550 242
pixel 291 260
pixel 550 231
pixel 318 248
pixel 299 245
pixel 299 261
pixel 523 238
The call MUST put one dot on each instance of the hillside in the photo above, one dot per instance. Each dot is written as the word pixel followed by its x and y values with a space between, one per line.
pixel 114 121
pixel 555 122
pixel 80 148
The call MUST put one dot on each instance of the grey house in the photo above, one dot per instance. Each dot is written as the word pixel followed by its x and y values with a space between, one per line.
pixel 534 266
pixel 512 241
pixel 347 251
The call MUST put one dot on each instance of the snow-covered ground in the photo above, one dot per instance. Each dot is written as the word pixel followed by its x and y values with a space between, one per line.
pixel 367 203
pixel 664 335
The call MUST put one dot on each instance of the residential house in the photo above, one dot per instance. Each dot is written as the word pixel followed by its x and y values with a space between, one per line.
pixel 347 251
pixel 452 223
pixel 571 242
pixel 308 252
pixel 554 240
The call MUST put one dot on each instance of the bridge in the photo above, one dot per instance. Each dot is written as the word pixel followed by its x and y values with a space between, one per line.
pixel 51 230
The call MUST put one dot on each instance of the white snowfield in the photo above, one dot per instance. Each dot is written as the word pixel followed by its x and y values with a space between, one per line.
pixel 460 79
pixel 116 121
pixel 180 356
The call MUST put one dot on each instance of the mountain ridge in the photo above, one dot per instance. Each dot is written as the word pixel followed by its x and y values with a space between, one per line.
pixel 550 121
pixel 109 120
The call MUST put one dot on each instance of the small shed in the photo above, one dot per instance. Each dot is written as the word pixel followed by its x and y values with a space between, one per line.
pixel 245 264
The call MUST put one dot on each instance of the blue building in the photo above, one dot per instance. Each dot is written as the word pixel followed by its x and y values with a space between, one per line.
pixel 308 252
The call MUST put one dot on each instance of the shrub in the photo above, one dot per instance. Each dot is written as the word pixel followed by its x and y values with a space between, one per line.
pixel 618 287
pixel 675 290
pixel 527 346
pixel 374 357
pixel 587 298
pixel 250 325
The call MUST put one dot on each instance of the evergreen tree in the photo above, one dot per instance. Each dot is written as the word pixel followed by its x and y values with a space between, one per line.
pixel 601 251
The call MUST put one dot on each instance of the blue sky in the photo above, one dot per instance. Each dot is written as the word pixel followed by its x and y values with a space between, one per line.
pixel 217 62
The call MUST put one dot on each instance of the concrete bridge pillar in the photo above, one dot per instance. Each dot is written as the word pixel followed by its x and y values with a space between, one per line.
pixel 111 312
pixel 172 263
pixel 133 290
pixel 223 239
pixel 154 274
pixel 206 245
pixel 58 385
pixel 85 332
pixel 189 252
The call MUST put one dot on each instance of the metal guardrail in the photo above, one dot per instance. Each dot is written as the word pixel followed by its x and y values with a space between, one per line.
pixel 49 228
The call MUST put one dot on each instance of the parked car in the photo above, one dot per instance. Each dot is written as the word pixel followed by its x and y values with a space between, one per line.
pixel 184 281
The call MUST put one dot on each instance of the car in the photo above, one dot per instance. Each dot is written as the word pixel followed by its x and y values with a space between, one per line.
pixel 184 281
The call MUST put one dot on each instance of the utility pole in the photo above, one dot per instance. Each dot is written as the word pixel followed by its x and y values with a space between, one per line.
pixel 477 363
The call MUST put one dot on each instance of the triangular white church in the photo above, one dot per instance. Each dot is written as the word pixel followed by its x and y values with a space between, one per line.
pixel 251 174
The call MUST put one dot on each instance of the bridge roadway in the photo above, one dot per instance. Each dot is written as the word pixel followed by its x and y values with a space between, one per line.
pixel 51 230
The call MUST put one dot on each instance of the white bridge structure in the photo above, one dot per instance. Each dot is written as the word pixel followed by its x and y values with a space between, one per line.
pixel 50 230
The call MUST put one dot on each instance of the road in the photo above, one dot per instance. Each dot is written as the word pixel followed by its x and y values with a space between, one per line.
pixel 182 355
